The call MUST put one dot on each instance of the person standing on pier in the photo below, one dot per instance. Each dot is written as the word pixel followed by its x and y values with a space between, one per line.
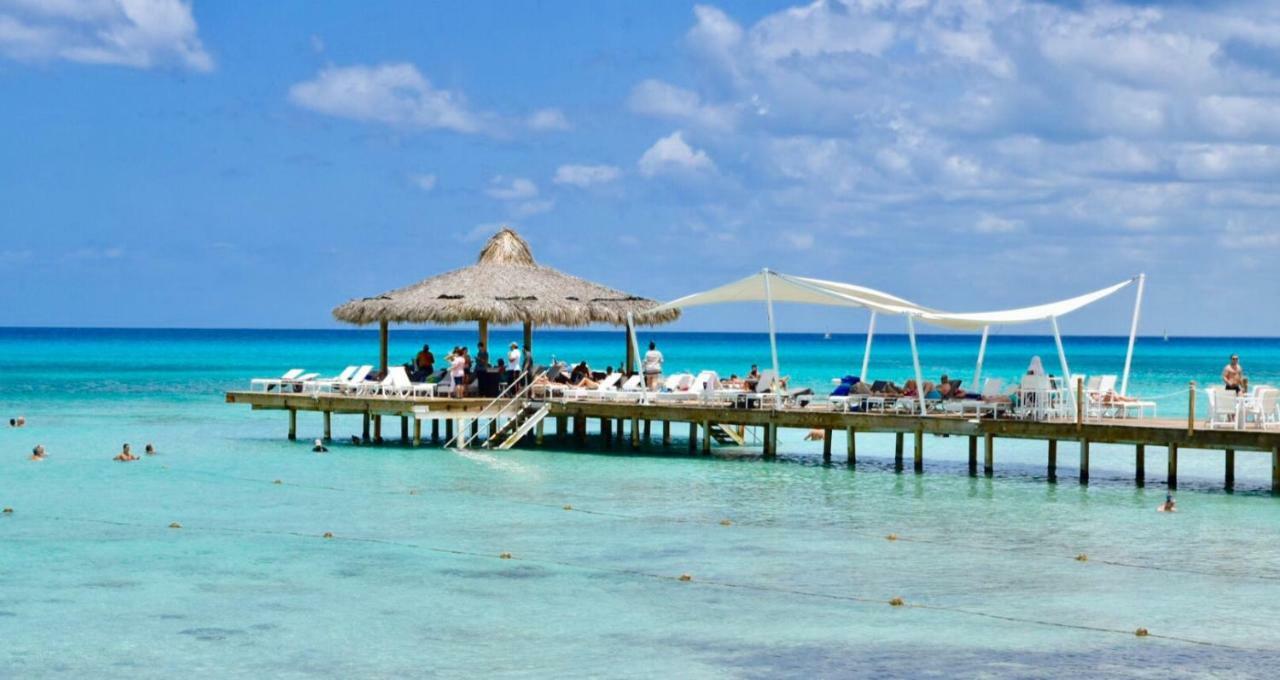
pixel 1233 375
pixel 425 362
pixel 653 367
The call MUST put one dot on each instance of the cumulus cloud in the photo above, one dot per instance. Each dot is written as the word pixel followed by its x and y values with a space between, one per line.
pixel 512 188
pixel 673 155
pixel 586 175
pixel 424 181
pixel 663 100
pixel 134 33
pixel 393 94
pixel 545 120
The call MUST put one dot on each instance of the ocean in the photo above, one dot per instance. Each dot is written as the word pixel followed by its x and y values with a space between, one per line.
pixel 790 568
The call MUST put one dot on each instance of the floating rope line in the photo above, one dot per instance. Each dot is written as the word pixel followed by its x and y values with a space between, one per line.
pixel 687 578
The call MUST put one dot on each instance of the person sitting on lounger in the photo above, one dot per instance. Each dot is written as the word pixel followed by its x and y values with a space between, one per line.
pixel 909 389
pixel 125 455
pixel 752 378
pixel 949 389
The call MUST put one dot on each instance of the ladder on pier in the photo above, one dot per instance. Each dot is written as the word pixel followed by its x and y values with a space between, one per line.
pixel 511 404
pixel 726 436
pixel 518 426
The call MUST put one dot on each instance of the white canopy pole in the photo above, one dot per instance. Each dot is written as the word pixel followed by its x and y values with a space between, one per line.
pixel 982 351
pixel 1133 335
pixel 773 333
pixel 635 349
pixel 915 359
pixel 1062 359
pixel 866 354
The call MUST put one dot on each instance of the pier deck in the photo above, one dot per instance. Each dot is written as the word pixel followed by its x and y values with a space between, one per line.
pixel 708 419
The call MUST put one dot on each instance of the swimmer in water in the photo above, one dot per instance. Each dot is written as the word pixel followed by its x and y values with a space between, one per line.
pixel 125 455
pixel 815 435
pixel 319 447
pixel 18 422
pixel 1169 505
pixel 150 450
pixel 38 452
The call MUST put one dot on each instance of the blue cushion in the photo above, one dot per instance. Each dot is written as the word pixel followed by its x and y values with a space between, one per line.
pixel 841 390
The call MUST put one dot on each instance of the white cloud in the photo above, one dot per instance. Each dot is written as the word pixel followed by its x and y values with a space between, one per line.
pixel 545 120
pixel 586 175
pixel 672 154
pixel 134 33
pixel 529 208
pixel 512 188
pixel 664 100
pixel 393 94
pixel 424 181
pixel 993 224
pixel 797 240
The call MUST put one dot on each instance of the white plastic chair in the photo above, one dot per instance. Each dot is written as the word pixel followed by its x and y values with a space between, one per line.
pixel 1224 408
pixel 268 383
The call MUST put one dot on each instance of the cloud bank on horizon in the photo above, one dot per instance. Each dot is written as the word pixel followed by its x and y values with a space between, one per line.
pixel 965 154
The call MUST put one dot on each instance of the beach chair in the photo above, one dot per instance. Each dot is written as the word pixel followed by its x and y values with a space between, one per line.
pixel 320 384
pixel 1224 408
pixel 633 389
pixel 299 383
pixel 987 401
pixel 354 382
pixel 1264 407
pixel 608 384
pixel 268 383
pixel 690 389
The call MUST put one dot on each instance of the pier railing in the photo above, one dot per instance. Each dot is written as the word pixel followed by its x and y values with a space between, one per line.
pixel 504 400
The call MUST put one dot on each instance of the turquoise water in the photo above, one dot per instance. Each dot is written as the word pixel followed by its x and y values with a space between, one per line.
pixel 95 583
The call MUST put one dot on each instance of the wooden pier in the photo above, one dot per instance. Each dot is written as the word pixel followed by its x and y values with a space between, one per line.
pixel 718 423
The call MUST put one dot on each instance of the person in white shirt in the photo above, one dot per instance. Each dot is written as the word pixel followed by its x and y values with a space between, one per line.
pixel 653 367
pixel 513 356
pixel 458 370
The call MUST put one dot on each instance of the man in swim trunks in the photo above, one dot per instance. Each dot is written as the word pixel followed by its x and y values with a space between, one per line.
pixel 1233 375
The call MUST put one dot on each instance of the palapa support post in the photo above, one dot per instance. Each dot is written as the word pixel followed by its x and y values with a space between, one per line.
pixel 897 451
pixel 666 433
pixel 483 335
pixel 1229 471
pixel 1053 460
pixel 364 434
pixel 1191 409
pixel 383 333
pixel 693 437
pixel 1172 474
pixel 706 437
pixel 528 338
pixel 417 431
pixel 1140 465
pixel 1084 461
pixel 404 429
pixel 973 455
pixel 293 424
pixel 629 364
pixel 919 451
pixel 988 454
pixel 328 425
pixel 851 443
pixel 826 445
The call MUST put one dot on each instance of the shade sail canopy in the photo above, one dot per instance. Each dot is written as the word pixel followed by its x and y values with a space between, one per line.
pixel 786 288
pixel 505 285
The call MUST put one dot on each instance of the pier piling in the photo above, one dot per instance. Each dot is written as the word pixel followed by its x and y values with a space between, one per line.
pixel 435 432
pixel 706 437
pixel 1275 470
pixel 293 424
pixel 988 454
pixel 377 429
pixel 417 432
pixel 919 452
pixel 538 431
pixel 897 451
pixel 973 455
pixel 404 429
pixel 364 429
pixel 826 445
pixel 1229 471
pixel 1084 461
pixel 666 433
pixel 648 437
pixel 693 437
pixel 328 425
pixel 606 432
pixel 1053 460
pixel 448 429
pixel 1140 465
pixel 635 433
pixel 1172 478
pixel 851 443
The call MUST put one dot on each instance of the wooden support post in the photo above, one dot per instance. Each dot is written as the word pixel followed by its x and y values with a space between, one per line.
pixel 706 437
pixel 919 452
pixel 1275 470
pixel 580 429
pixel 973 455
pixel 382 347
pixel 1172 473
pixel 417 431
pixel 666 433
pixel 562 427
pixel 1191 408
pixel 484 334
pixel 648 438
pixel 851 444
pixel 772 434
pixel 1229 473
pixel 435 431
pixel 897 451
pixel 1079 404
pixel 493 428
pixel 528 341
pixel 404 429
pixel 448 429
pixel 293 424
pixel 377 429
pixel 1140 465
pixel 988 454
pixel 328 425
pixel 1053 460
pixel 539 429
pixel 826 445
pixel 606 432
pixel 364 434
pixel 693 437
pixel 1084 461
pixel 635 433
pixel 475 427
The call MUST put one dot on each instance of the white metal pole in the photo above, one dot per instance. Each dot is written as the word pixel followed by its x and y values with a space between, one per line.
pixel 982 351
pixel 635 350
pixel 1062 359
pixel 866 354
pixel 773 333
pixel 915 359
pixel 1133 335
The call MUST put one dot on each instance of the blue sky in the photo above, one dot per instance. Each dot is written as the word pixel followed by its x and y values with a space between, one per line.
pixel 255 164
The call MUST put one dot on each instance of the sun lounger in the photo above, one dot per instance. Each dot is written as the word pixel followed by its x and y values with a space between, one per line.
pixel 354 383
pixel 690 390
pixel 321 384
pixel 608 384
pixel 268 383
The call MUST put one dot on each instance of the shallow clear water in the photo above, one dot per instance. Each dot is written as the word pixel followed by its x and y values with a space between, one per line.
pixel 96 584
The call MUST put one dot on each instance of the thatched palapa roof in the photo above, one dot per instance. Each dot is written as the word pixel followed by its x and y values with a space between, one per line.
pixel 504 286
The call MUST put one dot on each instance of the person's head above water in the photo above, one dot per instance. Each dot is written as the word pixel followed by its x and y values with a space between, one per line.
pixel 653 345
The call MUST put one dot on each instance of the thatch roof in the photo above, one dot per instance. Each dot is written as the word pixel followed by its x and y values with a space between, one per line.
pixel 504 286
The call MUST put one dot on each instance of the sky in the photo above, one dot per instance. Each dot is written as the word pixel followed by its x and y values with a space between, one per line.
pixel 192 164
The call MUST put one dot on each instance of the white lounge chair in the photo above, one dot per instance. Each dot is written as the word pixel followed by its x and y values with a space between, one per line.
pixel 608 384
pixel 1224 408
pixel 1264 408
pixel 354 382
pixel 991 392
pixel 692 389
pixel 268 383
pixel 321 384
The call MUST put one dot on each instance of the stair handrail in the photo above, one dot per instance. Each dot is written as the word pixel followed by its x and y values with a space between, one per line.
pixel 482 414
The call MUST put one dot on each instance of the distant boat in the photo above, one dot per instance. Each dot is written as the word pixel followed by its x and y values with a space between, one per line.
pixel 826 336
pixel 1166 336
